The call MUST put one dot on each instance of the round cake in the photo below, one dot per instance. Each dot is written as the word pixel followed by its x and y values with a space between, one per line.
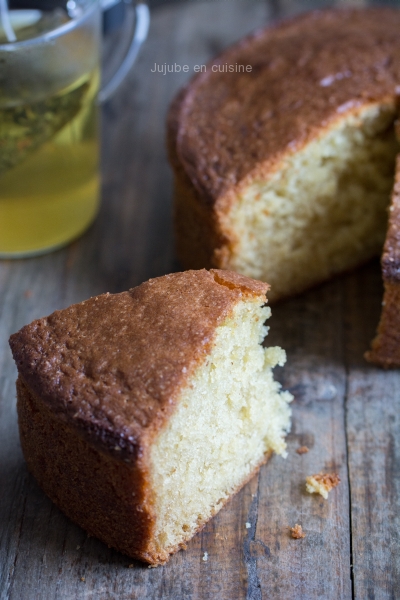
pixel 284 149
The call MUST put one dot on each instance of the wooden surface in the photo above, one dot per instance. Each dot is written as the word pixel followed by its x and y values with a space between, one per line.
pixel 345 411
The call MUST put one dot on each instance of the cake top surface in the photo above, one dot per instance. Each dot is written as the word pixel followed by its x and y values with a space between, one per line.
pixel 305 73
pixel 114 364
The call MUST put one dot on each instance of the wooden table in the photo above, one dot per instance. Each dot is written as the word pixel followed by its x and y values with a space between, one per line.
pixel 345 411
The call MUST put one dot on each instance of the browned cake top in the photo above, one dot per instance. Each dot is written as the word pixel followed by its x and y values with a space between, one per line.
pixel 391 251
pixel 305 73
pixel 113 364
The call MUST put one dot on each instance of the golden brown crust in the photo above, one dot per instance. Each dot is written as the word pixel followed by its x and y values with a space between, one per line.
pixel 302 450
pixel 228 129
pixel 391 250
pixel 322 483
pixel 106 495
pixel 113 365
pixel 297 532
pixel 197 231
pixel 385 348
pixel 98 380
pixel 306 72
pixel 85 482
pixel 328 480
pixel 236 281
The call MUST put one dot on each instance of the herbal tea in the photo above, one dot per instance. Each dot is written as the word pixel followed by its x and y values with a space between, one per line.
pixel 49 177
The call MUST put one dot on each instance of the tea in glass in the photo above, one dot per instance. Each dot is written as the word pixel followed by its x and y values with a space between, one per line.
pixel 49 133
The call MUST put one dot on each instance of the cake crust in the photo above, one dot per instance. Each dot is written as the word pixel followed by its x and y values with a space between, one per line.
pixel 99 380
pixel 226 130
pixel 391 251
pixel 385 348
pixel 223 128
pixel 66 466
pixel 100 364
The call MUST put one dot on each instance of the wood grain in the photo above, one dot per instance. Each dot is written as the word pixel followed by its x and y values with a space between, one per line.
pixel 373 430
pixel 317 566
pixel 345 411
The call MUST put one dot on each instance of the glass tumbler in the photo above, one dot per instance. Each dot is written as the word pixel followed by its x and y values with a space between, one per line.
pixel 49 126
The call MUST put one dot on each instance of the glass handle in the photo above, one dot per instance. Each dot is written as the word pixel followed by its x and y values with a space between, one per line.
pixel 142 22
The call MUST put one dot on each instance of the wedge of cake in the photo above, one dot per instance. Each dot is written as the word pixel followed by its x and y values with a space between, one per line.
pixel 141 413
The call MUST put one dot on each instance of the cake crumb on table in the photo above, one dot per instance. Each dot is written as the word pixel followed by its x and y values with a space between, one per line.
pixel 302 450
pixel 205 556
pixel 83 579
pixel 322 483
pixel 248 525
pixel 297 532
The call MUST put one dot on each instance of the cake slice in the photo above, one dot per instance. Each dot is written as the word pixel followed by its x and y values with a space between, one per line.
pixel 141 413
pixel 385 348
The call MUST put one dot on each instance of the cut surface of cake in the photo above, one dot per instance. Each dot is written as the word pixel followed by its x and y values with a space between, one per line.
pixel 141 413
pixel 283 171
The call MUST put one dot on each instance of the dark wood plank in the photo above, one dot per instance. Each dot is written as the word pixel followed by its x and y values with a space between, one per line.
pixel 317 566
pixel 373 429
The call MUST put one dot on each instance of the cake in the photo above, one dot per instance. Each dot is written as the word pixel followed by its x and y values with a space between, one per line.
pixel 141 413
pixel 385 348
pixel 284 150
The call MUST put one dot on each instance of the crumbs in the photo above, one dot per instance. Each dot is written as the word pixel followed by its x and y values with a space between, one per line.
pixel 322 483
pixel 302 450
pixel 297 532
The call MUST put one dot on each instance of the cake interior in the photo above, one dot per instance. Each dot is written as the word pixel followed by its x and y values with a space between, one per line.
pixel 226 423
pixel 324 211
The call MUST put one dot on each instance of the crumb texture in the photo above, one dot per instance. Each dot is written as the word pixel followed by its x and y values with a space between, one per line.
pixel 284 173
pixel 114 364
pixel 323 211
pixel 174 369
pixel 229 418
pixel 322 483
pixel 297 532
pixel 305 72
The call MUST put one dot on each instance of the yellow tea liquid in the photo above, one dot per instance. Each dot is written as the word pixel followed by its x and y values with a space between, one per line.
pixel 49 169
